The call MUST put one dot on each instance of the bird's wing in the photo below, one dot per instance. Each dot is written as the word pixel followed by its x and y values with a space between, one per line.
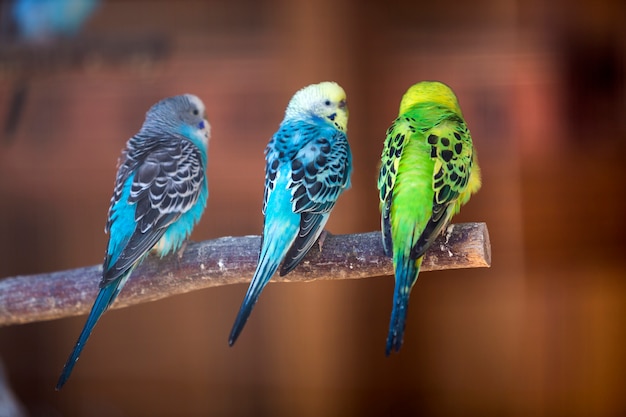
pixel 396 138
pixel 451 148
pixel 320 172
pixel 148 198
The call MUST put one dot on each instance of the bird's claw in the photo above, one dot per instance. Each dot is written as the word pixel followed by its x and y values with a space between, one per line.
pixel 320 240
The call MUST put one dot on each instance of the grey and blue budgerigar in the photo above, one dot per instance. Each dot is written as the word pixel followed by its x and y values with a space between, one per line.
pixel 308 165
pixel 160 194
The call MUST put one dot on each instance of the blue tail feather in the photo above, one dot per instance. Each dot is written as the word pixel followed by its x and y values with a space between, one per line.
pixel 279 232
pixel 407 270
pixel 265 270
pixel 105 298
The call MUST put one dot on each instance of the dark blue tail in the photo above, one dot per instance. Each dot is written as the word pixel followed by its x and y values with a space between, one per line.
pixel 265 270
pixel 407 270
pixel 105 298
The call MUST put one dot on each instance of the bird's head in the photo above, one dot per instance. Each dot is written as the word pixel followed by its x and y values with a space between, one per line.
pixel 184 114
pixel 429 92
pixel 326 100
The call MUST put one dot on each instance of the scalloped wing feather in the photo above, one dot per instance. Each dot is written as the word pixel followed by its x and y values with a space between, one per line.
pixel 158 189
pixel 452 150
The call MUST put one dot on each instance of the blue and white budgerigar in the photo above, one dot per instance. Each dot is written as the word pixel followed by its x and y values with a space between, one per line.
pixel 308 165
pixel 160 194
pixel 428 171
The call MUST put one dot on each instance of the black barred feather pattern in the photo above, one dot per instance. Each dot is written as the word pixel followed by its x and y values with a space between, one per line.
pixel 167 183
pixel 395 140
pixel 320 171
pixel 451 149
pixel 320 166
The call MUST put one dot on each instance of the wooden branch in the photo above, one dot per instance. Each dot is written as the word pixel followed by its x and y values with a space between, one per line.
pixel 223 261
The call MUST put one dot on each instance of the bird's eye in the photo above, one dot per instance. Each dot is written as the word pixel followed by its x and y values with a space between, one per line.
pixel 196 112
pixel 327 102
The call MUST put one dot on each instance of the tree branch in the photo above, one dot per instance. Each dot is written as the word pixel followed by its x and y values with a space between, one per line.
pixel 223 261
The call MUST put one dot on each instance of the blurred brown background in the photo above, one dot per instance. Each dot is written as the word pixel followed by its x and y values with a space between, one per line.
pixel 541 333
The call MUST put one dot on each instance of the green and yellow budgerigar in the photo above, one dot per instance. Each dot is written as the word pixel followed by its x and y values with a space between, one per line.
pixel 428 171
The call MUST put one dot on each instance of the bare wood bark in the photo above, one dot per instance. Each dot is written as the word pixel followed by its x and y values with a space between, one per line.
pixel 223 261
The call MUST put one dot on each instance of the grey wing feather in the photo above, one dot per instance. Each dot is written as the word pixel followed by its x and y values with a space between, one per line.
pixel 166 184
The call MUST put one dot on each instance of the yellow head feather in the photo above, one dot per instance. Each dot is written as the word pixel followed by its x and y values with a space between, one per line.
pixel 429 92
pixel 325 100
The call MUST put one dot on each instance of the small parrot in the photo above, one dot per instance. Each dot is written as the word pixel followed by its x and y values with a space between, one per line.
pixel 308 165
pixel 160 194
pixel 428 171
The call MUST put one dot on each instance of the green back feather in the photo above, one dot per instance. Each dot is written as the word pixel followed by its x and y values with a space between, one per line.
pixel 427 170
